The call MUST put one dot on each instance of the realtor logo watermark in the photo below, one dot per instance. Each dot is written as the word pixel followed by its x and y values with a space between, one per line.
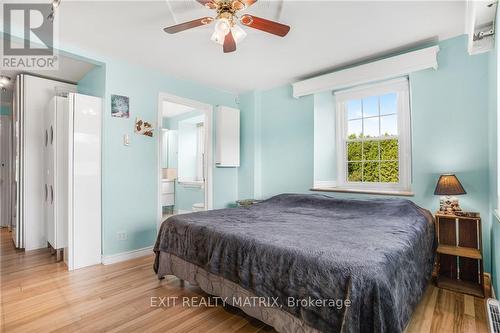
pixel 248 301
pixel 35 49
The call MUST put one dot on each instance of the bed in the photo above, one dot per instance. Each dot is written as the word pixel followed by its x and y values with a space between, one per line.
pixel 322 264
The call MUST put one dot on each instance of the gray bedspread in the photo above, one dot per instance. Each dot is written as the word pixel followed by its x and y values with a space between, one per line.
pixel 377 253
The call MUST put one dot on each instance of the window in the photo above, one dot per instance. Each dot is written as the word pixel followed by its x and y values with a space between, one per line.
pixel 373 136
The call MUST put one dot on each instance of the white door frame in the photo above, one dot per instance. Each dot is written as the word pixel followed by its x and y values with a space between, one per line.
pixel 5 159
pixel 207 109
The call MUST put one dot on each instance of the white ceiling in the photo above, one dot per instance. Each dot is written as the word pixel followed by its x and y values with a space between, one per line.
pixel 324 35
pixel 173 109
pixel 69 70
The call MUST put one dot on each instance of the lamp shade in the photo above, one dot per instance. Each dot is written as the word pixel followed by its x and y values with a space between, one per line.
pixel 449 185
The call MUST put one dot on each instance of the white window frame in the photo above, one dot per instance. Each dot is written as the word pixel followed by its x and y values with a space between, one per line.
pixel 401 88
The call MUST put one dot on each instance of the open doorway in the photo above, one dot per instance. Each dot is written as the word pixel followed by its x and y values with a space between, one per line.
pixel 184 155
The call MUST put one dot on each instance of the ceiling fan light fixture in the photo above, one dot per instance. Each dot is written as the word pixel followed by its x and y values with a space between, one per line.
pixel 222 26
pixel 238 5
pixel 218 38
pixel 238 33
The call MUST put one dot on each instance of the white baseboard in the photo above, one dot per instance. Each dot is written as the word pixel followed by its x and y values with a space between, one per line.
pixel 123 256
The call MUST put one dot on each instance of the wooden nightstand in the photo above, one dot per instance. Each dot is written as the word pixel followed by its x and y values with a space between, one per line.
pixel 459 254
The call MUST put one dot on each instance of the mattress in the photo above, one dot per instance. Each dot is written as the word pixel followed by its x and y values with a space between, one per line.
pixel 231 293
pixel 337 265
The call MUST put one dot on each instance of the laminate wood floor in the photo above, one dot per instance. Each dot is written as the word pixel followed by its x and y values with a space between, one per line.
pixel 38 295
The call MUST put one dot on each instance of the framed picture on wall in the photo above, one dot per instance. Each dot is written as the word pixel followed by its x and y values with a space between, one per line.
pixel 120 107
pixel 143 127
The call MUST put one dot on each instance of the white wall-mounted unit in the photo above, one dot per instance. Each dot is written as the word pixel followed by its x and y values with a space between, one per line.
pixel 73 168
pixel 31 96
pixel 227 137
pixel 480 25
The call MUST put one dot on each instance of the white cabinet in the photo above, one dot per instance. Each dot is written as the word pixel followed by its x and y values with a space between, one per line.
pixel 227 137
pixel 84 181
pixel 72 140
pixel 167 192
pixel 167 186
pixel 29 178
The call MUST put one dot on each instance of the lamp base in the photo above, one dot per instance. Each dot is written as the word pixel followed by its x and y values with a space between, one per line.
pixel 449 205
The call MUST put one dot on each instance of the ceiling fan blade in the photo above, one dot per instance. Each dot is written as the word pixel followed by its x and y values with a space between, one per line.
pixel 229 43
pixel 272 27
pixel 248 3
pixel 208 3
pixel 188 25
pixel 242 4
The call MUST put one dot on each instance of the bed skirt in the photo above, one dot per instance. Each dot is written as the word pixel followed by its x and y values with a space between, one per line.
pixel 282 321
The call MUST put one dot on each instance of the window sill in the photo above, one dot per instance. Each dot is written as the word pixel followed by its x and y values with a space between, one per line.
pixel 363 191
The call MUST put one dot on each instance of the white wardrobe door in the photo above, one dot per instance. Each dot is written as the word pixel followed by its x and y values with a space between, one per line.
pixel 61 172
pixel 36 95
pixel 86 183
pixel 49 140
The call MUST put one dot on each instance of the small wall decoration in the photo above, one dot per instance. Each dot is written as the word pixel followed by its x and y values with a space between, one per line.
pixel 143 127
pixel 120 106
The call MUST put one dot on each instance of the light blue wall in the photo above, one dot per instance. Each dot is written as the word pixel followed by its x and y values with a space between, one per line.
pixel 325 169
pixel 494 79
pixel 6 102
pixel 5 111
pixel 450 130
pixel 129 187
pixel 495 256
pixel 186 197
pixel 94 82
pixel 249 172
pixel 450 134
pixel 129 173
pixel 287 142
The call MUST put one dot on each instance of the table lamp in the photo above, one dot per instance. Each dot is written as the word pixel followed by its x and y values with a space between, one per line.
pixel 447 187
